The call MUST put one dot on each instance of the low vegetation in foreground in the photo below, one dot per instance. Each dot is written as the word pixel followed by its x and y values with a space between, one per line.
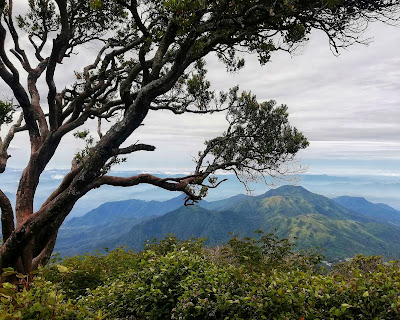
pixel 173 279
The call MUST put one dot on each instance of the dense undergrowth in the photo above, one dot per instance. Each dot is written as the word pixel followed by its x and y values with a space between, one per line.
pixel 172 279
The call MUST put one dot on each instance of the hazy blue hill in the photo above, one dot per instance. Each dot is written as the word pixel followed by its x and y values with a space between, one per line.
pixel 380 212
pixel 131 209
pixel 386 207
pixel 291 212
pixel 81 239
pixel 101 226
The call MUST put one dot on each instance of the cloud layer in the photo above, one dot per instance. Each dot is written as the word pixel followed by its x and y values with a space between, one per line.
pixel 347 106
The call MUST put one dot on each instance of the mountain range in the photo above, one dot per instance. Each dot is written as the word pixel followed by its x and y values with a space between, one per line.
pixel 107 222
pixel 342 226
pixel 376 188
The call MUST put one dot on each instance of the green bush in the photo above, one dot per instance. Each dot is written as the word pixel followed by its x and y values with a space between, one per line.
pixel 359 264
pixel 89 271
pixel 232 294
pixel 267 253
pixel 171 279
pixel 151 290
pixel 37 299
pixel 171 243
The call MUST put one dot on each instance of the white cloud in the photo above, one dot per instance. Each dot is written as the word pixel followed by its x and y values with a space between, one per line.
pixel 357 150
pixel 57 176
pixel 348 106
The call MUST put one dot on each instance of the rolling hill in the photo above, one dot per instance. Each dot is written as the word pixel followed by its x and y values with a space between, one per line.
pixel 306 218
pixel 379 212
pixel 107 222
pixel 111 212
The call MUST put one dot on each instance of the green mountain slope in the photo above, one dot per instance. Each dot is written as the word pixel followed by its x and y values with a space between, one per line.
pixel 191 221
pixel 291 212
pixel 377 211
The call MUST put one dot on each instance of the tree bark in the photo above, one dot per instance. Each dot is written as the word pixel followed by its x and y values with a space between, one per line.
pixel 7 216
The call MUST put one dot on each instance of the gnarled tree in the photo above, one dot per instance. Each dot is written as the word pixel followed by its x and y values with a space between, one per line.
pixel 151 59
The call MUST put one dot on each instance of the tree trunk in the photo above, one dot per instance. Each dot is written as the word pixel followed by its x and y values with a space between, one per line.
pixel 32 242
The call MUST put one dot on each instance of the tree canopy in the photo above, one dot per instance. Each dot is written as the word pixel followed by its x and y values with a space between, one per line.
pixel 151 59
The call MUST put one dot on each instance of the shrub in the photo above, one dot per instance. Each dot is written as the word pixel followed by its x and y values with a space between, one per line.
pixel 37 299
pixel 268 253
pixel 171 243
pixel 151 290
pixel 172 279
pixel 89 271
pixel 232 294
pixel 360 263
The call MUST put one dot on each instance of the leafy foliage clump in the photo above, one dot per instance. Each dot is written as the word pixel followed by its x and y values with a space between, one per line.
pixel 79 274
pixel 26 299
pixel 6 112
pixel 261 278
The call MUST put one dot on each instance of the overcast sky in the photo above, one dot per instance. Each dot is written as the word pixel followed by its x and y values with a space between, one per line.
pixel 347 106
